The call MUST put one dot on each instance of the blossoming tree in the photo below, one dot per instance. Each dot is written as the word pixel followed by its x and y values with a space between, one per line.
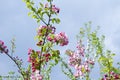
pixel 90 49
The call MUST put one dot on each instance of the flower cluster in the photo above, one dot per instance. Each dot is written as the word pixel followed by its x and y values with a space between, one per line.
pixel 81 70
pixel 80 49
pixel 42 30
pixel 111 76
pixel 18 60
pixel 60 38
pixel 33 59
pixel 45 30
pixel 36 75
pixel 76 60
pixel 54 8
pixel 3 48
pixel 80 67
pixel 46 57
pixel 36 58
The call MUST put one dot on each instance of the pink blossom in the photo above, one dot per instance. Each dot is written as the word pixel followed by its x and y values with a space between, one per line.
pixel 42 30
pixel 47 56
pixel 38 52
pixel 52 29
pixel 81 69
pixel 80 50
pixel 76 75
pixel 45 30
pixel 74 59
pixel 46 5
pixel 30 51
pixel 61 38
pixel 29 59
pixel 55 9
pixel 90 61
pixel 1 42
pixel 3 48
pixel 39 43
pixel 32 77
pixel 49 38
pixel 36 75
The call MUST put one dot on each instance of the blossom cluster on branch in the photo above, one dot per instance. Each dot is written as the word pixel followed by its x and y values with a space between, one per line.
pixel 3 48
pixel 76 60
pixel 112 76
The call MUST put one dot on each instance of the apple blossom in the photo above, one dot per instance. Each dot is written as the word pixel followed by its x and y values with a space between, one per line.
pixel 55 9
pixel 3 48
pixel 61 38
pixel 36 75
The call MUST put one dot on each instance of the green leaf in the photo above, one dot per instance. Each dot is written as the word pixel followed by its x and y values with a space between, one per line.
pixel 57 20
pixel 44 48
pixel 45 12
pixel 30 13
pixel 48 0
pixel 41 5
pixel 11 73
pixel 56 60
pixel 38 20
pixel 34 16
pixel 39 11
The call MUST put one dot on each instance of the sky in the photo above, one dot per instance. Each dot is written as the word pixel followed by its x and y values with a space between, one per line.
pixel 14 22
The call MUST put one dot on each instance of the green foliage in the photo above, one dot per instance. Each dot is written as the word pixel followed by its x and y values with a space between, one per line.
pixel 55 20
pixel 41 12
pixel 106 62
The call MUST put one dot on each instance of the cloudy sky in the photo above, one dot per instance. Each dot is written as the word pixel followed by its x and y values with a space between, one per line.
pixel 14 22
